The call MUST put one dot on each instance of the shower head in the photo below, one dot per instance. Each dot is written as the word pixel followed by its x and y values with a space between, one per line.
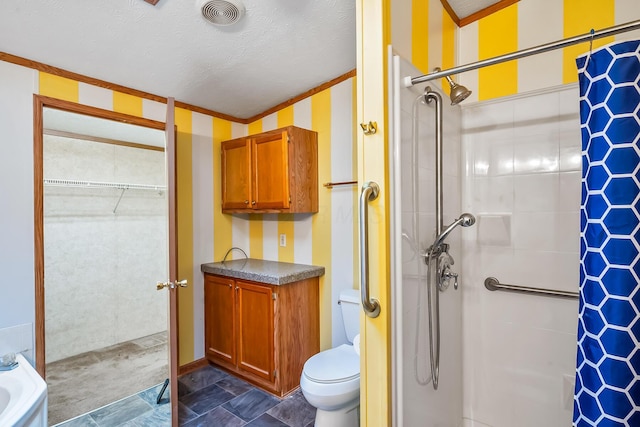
pixel 458 92
pixel 465 220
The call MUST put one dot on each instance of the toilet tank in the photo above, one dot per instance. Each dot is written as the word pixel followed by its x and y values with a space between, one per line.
pixel 350 306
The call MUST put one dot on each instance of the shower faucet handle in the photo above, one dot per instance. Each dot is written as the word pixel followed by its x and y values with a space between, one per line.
pixel 445 277
pixel 451 275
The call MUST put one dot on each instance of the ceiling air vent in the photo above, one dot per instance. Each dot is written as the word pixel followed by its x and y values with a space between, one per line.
pixel 222 12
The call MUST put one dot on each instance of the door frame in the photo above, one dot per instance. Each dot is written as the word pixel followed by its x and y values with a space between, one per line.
pixel 39 103
pixel 373 33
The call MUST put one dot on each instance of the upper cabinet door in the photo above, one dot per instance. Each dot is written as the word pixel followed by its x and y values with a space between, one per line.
pixel 236 174
pixel 271 171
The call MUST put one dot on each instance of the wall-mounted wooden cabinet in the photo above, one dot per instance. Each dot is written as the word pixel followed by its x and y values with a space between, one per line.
pixel 275 171
pixel 263 333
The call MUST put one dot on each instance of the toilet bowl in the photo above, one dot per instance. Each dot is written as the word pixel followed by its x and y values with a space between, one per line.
pixel 330 380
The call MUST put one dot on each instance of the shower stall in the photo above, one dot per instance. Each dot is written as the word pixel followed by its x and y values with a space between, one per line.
pixel 505 359
pixel 516 163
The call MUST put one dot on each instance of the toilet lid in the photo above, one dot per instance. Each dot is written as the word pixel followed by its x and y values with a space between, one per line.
pixel 335 365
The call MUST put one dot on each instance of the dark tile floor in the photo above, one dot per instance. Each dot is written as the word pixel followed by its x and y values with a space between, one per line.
pixel 211 397
pixel 207 397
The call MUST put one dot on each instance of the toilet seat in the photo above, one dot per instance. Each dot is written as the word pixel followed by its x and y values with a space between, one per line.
pixel 336 365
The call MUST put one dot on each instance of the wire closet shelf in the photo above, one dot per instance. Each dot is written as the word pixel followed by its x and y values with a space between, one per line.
pixel 122 186
pixel 98 184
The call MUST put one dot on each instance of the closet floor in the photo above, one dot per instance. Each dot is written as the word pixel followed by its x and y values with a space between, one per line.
pixel 91 380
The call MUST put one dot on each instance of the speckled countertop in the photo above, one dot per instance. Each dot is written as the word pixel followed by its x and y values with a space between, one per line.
pixel 258 270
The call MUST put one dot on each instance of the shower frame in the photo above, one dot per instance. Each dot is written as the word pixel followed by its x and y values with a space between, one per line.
pixel 406 281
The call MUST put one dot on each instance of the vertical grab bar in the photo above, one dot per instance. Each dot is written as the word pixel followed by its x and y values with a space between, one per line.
pixel 370 191
pixel 434 306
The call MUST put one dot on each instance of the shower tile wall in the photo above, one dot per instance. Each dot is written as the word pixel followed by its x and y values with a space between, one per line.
pixel 101 267
pixel 522 161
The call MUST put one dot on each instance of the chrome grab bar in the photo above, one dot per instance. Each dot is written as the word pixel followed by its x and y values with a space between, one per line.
pixel 493 284
pixel 370 191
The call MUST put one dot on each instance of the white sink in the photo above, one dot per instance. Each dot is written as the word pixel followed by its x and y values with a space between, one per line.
pixel 23 396
pixel 5 397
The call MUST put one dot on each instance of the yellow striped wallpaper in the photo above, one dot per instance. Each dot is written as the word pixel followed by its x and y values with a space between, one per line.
pixel 580 16
pixel 222 235
pixel 448 45
pixel 420 35
pixel 321 222
pixel 127 104
pixel 498 35
pixel 525 24
pixel 58 87
pixel 285 117
pixel 255 221
pixel 432 39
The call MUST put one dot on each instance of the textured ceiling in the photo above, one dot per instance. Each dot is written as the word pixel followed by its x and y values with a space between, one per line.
pixel 280 49
pixel 464 12
pixel 464 8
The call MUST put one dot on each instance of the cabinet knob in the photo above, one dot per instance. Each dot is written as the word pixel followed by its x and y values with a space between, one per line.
pixel 253 202
pixel 230 285
pixel 246 202
pixel 237 287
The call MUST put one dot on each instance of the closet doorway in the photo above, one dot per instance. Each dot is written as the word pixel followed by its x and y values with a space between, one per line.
pixel 102 324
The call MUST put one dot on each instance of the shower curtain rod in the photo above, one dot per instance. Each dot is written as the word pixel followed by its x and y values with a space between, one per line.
pixel 623 28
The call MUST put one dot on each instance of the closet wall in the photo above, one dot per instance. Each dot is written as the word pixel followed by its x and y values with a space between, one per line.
pixel 101 266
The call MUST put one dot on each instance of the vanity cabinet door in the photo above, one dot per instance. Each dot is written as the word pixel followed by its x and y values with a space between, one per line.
pixel 220 324
pixel 255 329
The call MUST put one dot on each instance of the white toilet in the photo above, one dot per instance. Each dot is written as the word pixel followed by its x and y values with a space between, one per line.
pixel 330 380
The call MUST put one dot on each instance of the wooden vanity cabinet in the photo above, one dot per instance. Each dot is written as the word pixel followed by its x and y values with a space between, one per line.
pixel 275 171
pixel 263 333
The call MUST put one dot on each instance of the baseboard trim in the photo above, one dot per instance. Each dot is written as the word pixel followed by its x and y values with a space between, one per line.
pixel 192 366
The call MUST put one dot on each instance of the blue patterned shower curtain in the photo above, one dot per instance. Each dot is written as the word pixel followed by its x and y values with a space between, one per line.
pixel 607 389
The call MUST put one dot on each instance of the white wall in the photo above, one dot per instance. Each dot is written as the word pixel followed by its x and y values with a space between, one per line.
pixel 522 162
pixel 17 293
pixel 101 266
